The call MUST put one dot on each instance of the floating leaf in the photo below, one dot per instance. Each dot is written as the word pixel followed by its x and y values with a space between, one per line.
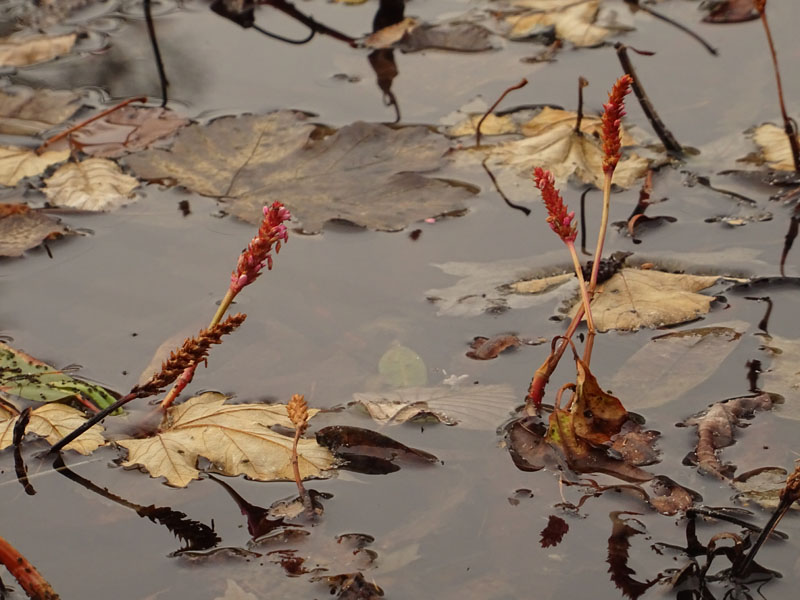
pixel 554 144
pixel 130 129
pixel 54 421
pixel 475 407
pixel 732 11
pixel 28 111
pixel 18 163
pixel 573 21
pixel 492 125
pixel 236 438
pixel 401 367
pixel 93 184
pixel 454 37
pixel 22 229
pixel 671 364
pixel 774 146
pixel 364 173
pixel 24 50
pixel 22 376
pixel 635 298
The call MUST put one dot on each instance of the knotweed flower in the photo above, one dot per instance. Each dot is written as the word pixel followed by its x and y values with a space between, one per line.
pixel 259 250
pixel 613 112
pixel 560 220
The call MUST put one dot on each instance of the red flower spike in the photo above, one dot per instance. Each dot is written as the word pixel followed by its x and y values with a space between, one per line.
pixel 258 252
pixel 612 117
pixel 561 221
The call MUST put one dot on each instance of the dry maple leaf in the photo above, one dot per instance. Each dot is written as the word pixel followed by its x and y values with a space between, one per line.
pixel 236 438
pixel 95 184
pixel 53 421
pixel 633 298
pixel 17 163
pixel 24 50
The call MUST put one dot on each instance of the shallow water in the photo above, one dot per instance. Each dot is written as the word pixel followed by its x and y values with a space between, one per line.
pixel 334 303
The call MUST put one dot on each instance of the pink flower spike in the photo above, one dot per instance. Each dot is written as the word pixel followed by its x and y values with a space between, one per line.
pixel 613 112
pixel 560 220
pixel 258 252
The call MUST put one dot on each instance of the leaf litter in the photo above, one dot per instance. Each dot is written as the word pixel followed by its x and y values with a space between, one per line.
pixel 28 111
pixel 18 163
pixel 23 228
pixel 364 173
pixel 22 50
pixel 571 21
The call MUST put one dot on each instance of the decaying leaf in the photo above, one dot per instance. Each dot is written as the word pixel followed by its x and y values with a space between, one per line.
pixel 483 348
pixel 596 415
pixel 53 421
pixel 731 11
pixel 236 438
pixel 22 229
pixel 17 163
pixel 553 144
pixel 364 173
pixel 774 146
pixel 554 532
pixel 635 298
pixel 130 129
pixel 453 37
pixel 95 184
pixel 671 364
pixel 28 111
pixel 716 427
pixel 475 407
pixel 573 21
pixel 24 50
pixel 762 486
pixel 22 376
pixel 389 36
pixel 401 367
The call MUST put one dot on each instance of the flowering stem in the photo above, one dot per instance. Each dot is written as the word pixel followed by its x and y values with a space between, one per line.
pixel 601 236
pixel 584 295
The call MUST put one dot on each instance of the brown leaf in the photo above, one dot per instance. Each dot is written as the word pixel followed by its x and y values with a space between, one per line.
pixel 28 111
pixel 489 348
pixel 554 532
pixel 94 184
pixel 23 50
pixel 596 415
pixel 618 553
pixel 17 163
pixel 22 229
pixel 732 11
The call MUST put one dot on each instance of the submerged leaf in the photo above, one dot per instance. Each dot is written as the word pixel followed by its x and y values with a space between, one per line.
pixel 53 421
pixel 24 50
pixel 94 184
pixel 671 364
pixel 17 163
pixel 22 229
pixel 236 438
pixel 474 407
pixel 635 298
pixel 365 173
pixel 23 376
pixel 401 367
pixel 28 111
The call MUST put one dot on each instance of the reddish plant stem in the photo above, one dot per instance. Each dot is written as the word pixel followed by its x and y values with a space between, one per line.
pixel 788 123
pixel 301 489
pixel 582 83
pixel 523 82
pixel 35 586
pixel 82 124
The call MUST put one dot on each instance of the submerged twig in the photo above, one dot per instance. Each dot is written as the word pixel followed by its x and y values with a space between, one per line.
pixel 523 82
pixel 665 135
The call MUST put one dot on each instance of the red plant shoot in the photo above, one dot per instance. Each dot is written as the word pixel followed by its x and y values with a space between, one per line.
pixel 259 250
pixel 613 112
pixel 560 220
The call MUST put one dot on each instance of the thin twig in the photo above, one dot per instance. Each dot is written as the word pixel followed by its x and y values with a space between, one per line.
pixel 523 82
pixel 151 32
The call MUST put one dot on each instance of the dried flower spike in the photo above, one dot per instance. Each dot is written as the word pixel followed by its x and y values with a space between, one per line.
pixel 613 112
pixel 298 411
pixel 561 221
pixel 258 252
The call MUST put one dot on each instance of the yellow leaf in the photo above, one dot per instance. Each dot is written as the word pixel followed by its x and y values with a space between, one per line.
pixel 29 50
pixel 573 22
pixel 236 438
pixel 18 163
pixel 53 421
pixel 94 184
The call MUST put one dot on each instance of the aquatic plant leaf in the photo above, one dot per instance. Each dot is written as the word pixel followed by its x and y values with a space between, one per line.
pixel 782 376
pixel 17 163
pixel 28 111
pixel 573 21
pixel 596 415
pixel 479 407
pixel 22 229
pixel 364 173
pixel 94 184
pixel 129 129
pixel 671 364
pixel 553 144
pixel 53 421
pixel 635 298
pixel 236 438
pixel 483 348
pixel 24 50
pixel 716 428
pixel 22 376
pixel 731 11
pixel 401 367
pixel 774 146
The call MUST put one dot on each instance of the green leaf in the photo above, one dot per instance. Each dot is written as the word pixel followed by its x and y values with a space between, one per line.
pixel 400 366
pixel 23 376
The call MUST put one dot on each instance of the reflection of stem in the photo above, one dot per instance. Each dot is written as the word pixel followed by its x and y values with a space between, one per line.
pixel 664 134
pixel 19 464
pixel 289 9
pixel 32 582
pixel 523 82
pixel 601 235
pixel 151 32
pixel 788 124
pixel 680 26
pixel 524 209
pixel 582 83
